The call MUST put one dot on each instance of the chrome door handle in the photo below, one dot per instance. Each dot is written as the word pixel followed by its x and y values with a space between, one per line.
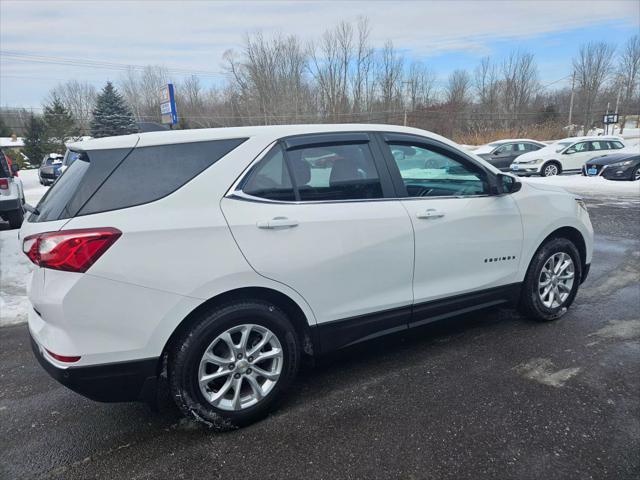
pixel 430 213
pixel 278 222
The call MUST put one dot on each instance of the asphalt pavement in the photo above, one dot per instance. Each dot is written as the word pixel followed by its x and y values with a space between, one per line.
pixel 489 395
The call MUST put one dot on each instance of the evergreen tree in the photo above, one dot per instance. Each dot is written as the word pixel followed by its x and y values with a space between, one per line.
pixel 36 140
pixel 112 116
pixel 61 126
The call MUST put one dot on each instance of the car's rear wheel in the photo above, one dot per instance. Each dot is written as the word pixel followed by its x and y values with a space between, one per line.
pixel 15 218
pixel 552 280
pixel 551 169
pixel 234 364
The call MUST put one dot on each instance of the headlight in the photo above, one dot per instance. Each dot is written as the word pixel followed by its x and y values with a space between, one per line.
pixel 581 204
pixel 622 164
pixel 529 162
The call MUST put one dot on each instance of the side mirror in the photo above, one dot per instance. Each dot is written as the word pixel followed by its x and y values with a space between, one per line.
pixel 14 168
pixel 570 151
pixel 508 184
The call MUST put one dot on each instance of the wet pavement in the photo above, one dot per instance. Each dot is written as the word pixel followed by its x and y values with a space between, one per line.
pixel 489 395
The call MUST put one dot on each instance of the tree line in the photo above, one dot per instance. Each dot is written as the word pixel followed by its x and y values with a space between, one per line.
pixel 342 77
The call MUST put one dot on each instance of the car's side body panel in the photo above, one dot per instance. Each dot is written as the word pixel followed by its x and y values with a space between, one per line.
pixel 348 266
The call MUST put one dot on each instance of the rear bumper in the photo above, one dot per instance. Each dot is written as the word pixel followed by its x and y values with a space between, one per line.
pixel 113 382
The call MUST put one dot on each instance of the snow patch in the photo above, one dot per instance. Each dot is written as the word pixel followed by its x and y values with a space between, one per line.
pixel 542 371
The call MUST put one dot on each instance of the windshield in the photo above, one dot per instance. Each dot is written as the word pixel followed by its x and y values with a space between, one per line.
pixel 562 145
pixel 53 161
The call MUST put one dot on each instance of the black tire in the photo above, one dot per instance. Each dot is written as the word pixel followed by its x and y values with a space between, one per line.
pixel 15 218
pixel 531 305
pixel 186 352
pixel 544 170
pixel 634 174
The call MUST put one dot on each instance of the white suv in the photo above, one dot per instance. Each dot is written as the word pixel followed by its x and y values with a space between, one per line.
pixel 222 256
pixel 568 155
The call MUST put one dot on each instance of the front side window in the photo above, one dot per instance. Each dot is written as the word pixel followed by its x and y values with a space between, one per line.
pixel 508 148
pixel 426 172
pixel 579 148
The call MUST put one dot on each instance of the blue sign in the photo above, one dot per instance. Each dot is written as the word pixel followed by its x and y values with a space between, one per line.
pixel 168 109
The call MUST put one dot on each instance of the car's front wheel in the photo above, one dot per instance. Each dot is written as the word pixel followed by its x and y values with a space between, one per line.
pixel 234 364
pixel 552 280
pixel 635 176
pixel 551 169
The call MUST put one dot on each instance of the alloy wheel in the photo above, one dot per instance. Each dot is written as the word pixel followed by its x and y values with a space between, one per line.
pixel 550 170
pixel 636 174
pixel 556 280
pixel 240 367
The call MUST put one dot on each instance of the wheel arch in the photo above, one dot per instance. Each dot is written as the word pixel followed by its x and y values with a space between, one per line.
pixel 555 162
pixel 572 234
pixel 293 311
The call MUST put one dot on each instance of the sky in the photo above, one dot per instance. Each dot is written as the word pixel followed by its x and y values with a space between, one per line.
pixel 191 36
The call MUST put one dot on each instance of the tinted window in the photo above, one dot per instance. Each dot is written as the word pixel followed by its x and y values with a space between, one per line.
pixel 599 145
pixel 150 173
pixel 532 147
pixel 616 145
pixel 335 172
pixel 53 205
pixel 4 166
pixel 101 180
pixel 578 148
pixel 508 148
pixel 430 173
pixel 270 178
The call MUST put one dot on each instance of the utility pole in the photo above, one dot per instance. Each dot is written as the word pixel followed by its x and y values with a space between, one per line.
pixel 573 84
pixel 618 103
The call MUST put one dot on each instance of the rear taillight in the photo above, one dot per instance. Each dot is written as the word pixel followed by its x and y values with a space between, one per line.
pixel 4 183
pixel 63 358
pixel 69 250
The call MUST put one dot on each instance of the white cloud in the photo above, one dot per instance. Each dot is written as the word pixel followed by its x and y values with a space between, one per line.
pixel 194 35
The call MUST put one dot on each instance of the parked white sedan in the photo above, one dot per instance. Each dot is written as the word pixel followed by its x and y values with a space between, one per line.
pixel 567 155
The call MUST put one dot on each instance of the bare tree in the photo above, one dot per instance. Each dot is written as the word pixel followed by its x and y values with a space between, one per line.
pixel 77 97
pixel 487 85
pixel 141 90
pixel 268 78
pixel 458 89
pixel 420 81
pixel 362 82
pixel 520 81
pixel 629 74
pixel 329 66
pixel 389 79
pixel 592 68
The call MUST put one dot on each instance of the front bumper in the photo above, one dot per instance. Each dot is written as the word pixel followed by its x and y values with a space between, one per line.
pixel 112 382
pixel 525 170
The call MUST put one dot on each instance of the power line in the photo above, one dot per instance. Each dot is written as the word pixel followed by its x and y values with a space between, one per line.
pixel 100 64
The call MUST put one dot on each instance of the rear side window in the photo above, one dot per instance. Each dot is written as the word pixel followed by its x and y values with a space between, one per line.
pixel 335 172
pixel 328 172
pixel 103 180
pixel 271 179
pixel 150 173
